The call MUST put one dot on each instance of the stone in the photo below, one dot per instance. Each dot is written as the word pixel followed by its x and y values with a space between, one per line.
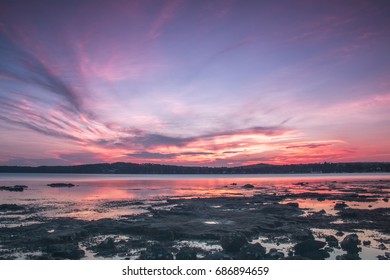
pixel 339 233
pixel 293 204
pixel 252 252
pixel 248 186
pixel 274 254
pixel 233 242
pixel 156 252
pixel 308 246
pixel 332 241
pixel 217 256
pixel 186 253
pixel 10 207
pixel 316 255
pixel 106 245
pixel 348 257
pixel 382 247
pixel 350 243
pixel 16 188
pixel 366 242
pixel 340 206
pixel 61 185
pixel 302 235
pixel 386 199
pixel 69 251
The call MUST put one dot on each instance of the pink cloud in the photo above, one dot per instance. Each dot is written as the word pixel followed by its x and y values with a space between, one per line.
pixel 167 13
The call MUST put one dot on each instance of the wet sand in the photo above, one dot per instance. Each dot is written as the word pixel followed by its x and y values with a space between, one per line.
pixel 315 220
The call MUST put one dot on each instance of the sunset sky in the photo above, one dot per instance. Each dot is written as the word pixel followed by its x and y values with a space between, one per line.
pixel 216 83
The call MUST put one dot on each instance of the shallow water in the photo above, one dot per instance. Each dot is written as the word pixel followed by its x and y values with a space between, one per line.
pixel 87 200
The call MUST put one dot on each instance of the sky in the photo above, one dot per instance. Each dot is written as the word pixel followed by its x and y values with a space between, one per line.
pixel 210 83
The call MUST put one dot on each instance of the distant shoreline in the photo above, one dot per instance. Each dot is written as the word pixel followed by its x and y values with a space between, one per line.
pixel 159 169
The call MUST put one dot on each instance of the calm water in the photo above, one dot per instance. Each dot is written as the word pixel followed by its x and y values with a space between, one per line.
pixel 114 187
pixel 87 199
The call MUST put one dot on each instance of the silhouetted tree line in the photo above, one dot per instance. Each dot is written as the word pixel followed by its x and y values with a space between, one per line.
pixel 132 168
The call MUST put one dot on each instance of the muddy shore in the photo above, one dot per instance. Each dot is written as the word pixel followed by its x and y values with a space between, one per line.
pixel 265 225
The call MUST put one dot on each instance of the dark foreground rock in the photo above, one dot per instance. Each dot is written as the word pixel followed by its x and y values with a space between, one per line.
pixel 348 256
pixel 106 245
pixel 332 241
pixel 156 252
pixel 340 206
pixel 302 235
pixel 217 256
pixel 311 249
pixel 350 244
pixel 252 252
pixel 69 251
pixel 186 253
pixel 232 243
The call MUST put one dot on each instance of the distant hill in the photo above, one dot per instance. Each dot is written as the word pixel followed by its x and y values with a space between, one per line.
pixel 133 168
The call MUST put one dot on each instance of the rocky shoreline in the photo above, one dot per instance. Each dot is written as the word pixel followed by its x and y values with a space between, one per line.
pixel 261 226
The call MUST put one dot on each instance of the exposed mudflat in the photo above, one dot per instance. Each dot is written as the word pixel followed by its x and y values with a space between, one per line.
pixel 330 220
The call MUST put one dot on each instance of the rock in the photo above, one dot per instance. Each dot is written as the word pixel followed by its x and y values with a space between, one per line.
pixel 350 243
pixel 321 198
pixel 340 206
pixel 302 235
pixel 301 184
pixel 308 246
pixel 66 235
pixel 65 251
pixel 348 257
pixel 382 247
pixel 296 258
pixel 61 185
pixel 387 255
pixel 252 252
pixel 217 256
pixel 106 245
pixel 322 212
pixel 316 255
pixel 274 254
pixel 380 257
pixel 233 242
pixel 156 252
pixel 248 186
pixel 332 241
pixel 186 253
pixel 339 233
pixel 16 188
pixel 386 199
pixel 293 204
pixel 10 207
pixel 366 242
